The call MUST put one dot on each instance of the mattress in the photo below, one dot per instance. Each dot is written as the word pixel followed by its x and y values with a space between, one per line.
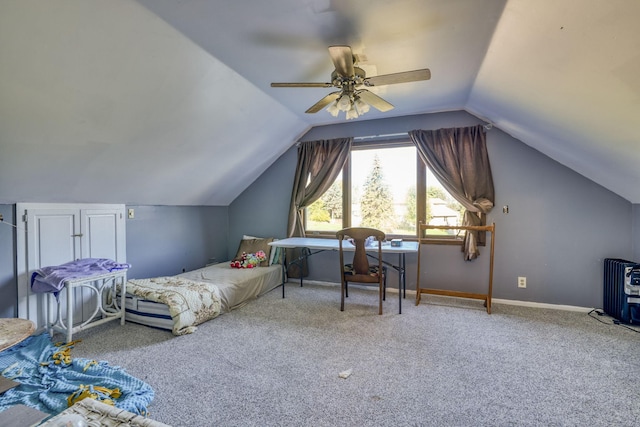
pixel 236 286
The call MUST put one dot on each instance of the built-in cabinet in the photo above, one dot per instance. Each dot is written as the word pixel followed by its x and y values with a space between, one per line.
pixel 52 234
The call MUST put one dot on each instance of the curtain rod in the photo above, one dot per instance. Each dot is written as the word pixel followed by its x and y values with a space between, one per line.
pixel 382 136
pixel 386 136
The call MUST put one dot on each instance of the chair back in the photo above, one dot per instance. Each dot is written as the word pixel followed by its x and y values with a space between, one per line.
pixel 360 271
pixel 360 236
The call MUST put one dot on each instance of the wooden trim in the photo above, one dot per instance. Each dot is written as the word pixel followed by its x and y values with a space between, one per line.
pixel 421 193
pixel 424 240
pixel 346 194
pixel 453 293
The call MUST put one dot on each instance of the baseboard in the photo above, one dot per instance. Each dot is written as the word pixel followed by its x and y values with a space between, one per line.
pixel 531 304
pixel 541 305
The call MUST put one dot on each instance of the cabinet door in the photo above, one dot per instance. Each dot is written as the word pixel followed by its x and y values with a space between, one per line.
pixel 52 238
pixel 102 237
pixel 103 233
pixel 58 233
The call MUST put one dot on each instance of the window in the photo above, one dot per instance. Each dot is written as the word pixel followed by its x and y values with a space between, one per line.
pixel 384 186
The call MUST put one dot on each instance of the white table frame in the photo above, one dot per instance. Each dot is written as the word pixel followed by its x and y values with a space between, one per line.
pixel 314 245
pixel 108 311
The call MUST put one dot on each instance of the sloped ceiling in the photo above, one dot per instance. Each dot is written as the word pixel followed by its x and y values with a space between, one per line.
pixel 103 102
pixel 169 102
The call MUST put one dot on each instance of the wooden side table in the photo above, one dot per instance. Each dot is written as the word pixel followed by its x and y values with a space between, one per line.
pixel 14 330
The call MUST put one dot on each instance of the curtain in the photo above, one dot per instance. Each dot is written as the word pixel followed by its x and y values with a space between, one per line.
pixel 319 163
pixel 458 158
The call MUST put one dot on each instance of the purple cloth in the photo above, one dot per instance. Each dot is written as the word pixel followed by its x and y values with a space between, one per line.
pixel 51 279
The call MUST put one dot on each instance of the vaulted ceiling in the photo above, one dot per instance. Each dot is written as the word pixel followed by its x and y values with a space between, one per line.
pixel 169 102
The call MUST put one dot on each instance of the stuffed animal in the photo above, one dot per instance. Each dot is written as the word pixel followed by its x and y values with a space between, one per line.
pixel 249 260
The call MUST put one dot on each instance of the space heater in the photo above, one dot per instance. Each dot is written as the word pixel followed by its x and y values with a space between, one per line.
pixel 621 299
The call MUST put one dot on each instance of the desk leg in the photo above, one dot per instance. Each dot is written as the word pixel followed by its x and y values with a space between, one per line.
pixel 402 279
pixel 404 276
pixel 284 268
pixel 304 257
pixel 284 272
pixel 300 262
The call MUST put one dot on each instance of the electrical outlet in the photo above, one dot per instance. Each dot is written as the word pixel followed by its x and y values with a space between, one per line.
pixel 522 282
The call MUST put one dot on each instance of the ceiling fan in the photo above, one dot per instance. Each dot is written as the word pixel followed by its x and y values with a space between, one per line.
pixel 351 98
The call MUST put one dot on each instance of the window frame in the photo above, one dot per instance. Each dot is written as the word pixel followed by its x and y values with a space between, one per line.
pixel 421 195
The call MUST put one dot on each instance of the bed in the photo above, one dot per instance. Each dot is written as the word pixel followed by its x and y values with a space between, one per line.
pixel 180 303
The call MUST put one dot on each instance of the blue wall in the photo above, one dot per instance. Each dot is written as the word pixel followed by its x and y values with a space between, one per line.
pixel 259 210
pixel 635 233
pixel 8 287
pixel 559 228
pixel 165 240
pixel 161 241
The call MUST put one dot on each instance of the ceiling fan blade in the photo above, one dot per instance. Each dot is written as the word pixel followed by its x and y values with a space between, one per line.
pixel 404 77
pixel 301 85
pixel 342 58
pixel 374 100
pixel 323 102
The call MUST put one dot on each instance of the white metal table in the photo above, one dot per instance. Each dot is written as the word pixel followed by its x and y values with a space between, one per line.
pixel 314 245
pixel 104 288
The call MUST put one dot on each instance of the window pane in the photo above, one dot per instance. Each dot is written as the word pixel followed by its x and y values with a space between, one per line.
pixel 442 208
pixel 383 189
pixel 383 195
pixel 325 214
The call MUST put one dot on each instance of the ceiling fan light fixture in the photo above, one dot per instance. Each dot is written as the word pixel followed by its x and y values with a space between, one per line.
pixel 344 103
pixel 350 103
pixel 333 109
pixel 348 78
pixel 362 106
pixel 352 114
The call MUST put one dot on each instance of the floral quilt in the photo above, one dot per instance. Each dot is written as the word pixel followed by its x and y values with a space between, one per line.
pixel 190 303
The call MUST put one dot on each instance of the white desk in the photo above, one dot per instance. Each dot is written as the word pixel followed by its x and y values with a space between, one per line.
pixel 107 306
pixel 314 245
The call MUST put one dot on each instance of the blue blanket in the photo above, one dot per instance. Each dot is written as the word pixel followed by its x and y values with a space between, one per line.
pixel 46 386
pixel 51 278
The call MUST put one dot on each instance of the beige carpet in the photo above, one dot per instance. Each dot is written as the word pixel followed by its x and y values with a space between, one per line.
pixel 276 362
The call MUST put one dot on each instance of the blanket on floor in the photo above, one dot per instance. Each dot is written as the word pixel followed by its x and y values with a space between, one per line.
pixel 48 377
pixel 190 303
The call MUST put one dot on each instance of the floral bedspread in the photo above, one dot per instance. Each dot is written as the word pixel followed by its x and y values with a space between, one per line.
pixel 190 303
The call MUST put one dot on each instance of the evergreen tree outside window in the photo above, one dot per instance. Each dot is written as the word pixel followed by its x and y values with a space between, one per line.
pixel 376 203
pixel 384 186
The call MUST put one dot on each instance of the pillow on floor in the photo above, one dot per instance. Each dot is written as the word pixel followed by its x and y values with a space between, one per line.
pixel 253 245
pixel 276 253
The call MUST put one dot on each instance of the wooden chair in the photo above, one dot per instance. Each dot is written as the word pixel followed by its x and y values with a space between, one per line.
pixel 360 271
